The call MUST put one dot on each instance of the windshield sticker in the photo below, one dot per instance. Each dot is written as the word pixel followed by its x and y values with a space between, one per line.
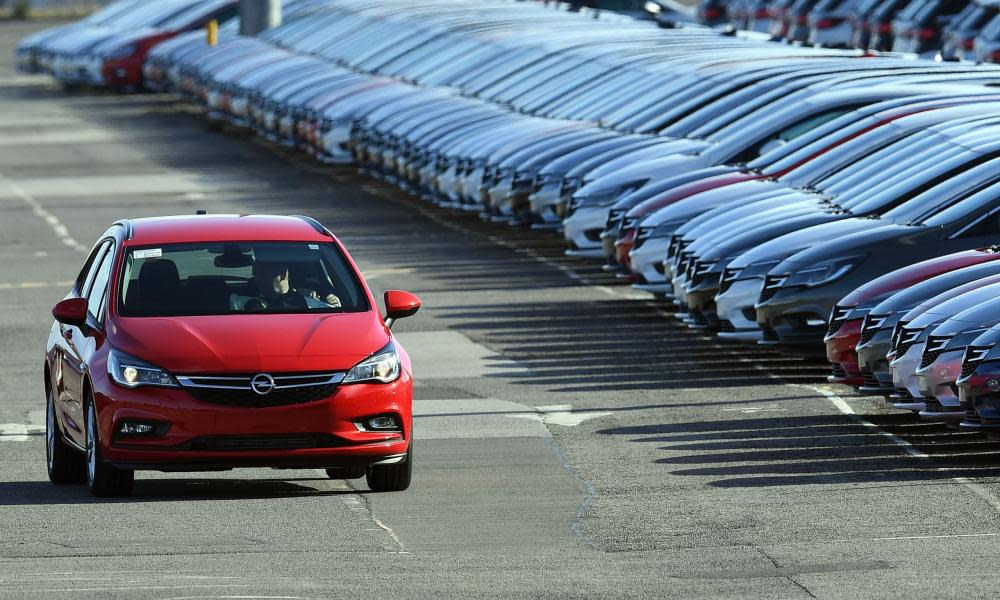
pixel 314 246
pixel 148 253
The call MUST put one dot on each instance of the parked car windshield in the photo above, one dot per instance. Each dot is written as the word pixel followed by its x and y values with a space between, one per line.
pixel 236 278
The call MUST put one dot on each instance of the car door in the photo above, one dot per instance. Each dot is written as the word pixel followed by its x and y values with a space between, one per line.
pixel 80 342
pixel 61 336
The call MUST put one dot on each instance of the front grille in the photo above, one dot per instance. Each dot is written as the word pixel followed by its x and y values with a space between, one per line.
pixel 837 317
pixel 870 327
pixel 902 394
pixel 974 356
pixel 932 350
pixel 682 263
pixel 251 399
pixel 771 285
pixel 728 279
pixel 907 338
pixel 726 326
pixel 237 390
pixel 296 441
pixel 838 371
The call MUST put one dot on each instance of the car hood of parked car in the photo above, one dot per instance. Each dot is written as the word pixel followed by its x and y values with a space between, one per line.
pixel 251 343
pixel 786 245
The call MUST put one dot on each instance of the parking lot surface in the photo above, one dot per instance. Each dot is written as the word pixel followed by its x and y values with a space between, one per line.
pixel 571 439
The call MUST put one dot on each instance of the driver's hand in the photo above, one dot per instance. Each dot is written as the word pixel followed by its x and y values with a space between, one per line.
pixel 332 300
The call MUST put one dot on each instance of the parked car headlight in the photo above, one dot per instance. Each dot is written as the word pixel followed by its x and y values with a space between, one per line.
pixel 382 366
pixel 122 52
pixel 132 372
pixel 756 269
pixel 824 272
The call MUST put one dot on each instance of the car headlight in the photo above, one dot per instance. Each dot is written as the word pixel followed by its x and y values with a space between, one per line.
pixel 757 269
pixel 122 52
pixel 824 272
pixel 132 372
pixel 382 366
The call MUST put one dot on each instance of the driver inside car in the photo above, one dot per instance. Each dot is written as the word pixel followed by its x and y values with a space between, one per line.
pixel 274 291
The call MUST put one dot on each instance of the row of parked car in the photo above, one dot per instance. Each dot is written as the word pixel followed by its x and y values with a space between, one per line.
pixel 109 48
pixel 950 30
pixel 776 194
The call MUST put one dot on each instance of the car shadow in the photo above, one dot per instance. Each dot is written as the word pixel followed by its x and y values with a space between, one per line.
pixel 36 493
pixel 619 345
pixel 819 449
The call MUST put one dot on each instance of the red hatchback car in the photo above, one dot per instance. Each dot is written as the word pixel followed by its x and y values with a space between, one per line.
pixel 199 343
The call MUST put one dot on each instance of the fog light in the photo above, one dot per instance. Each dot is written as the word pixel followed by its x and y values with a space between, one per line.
pixel 132 428
pixel 382 423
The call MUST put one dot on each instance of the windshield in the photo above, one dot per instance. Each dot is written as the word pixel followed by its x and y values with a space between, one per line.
pixel 238 277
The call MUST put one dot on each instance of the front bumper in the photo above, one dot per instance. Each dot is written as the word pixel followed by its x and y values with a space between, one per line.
pixel 647 260
pixel 583 229
pixel 937 380
pixel 796 316
pixel 873 364
pixel 840 350
pixel 904 368
pixel 206 436
pixel 735 309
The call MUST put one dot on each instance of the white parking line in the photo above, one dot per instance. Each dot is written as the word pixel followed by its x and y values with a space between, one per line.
pixel 30 285
pixel 60 230
pixel 906 446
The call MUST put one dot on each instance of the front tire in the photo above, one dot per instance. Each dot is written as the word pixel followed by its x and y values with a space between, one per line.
pixel 64 464
pixel 103 479
pixel 391 478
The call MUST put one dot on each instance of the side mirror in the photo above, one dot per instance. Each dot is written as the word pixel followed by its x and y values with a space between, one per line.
pixel 399 305
pixel 72 311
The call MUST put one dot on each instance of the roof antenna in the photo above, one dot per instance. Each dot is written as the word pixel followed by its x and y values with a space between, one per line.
pixel 201 211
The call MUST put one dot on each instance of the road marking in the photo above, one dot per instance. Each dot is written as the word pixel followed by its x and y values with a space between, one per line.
pixel 30 285
pixel 18 432
pixel 906 446
pixel 60 230
pixel 934 537
pixel 560 414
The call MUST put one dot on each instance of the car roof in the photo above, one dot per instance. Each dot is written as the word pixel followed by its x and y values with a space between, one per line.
pixel 223 228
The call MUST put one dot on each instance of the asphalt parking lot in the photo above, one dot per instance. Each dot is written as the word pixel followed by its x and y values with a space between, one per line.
pixel 571 439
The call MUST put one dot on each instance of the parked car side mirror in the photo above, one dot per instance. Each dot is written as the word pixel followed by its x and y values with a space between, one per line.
pixel 399 305
pixel 71 311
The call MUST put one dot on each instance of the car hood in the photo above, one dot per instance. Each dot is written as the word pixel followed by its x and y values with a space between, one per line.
pixel 934 310
pixel 784 246
pixel 737 200
pixel 850 242
pixel 661 149
pixel 252 343
pixel 673 164
pixel 915 273
pixel 122 38
pixel 740 238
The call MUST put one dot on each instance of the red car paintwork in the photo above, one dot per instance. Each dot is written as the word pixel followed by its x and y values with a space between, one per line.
pixel 126 73
pixel 76 361
pixel 626 239
pixel 841 344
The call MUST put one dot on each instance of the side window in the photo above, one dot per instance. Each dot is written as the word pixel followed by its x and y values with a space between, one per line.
pixel 90 268
pixel 100 286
